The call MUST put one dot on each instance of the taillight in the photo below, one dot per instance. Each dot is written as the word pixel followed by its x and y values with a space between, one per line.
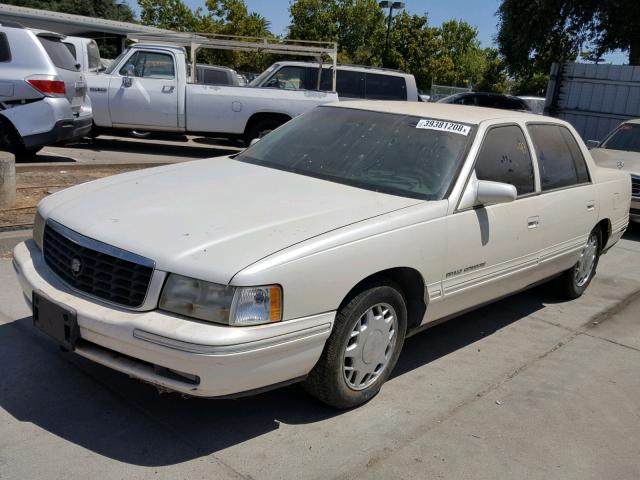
pixel 51 88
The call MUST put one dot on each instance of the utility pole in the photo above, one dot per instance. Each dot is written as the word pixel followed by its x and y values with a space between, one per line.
pixel 391 6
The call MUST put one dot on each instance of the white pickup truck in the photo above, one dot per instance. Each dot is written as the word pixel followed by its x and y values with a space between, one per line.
pixel 147 88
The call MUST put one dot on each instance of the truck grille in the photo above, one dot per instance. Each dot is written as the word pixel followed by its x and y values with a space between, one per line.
pixel 635 186
pixel 97 269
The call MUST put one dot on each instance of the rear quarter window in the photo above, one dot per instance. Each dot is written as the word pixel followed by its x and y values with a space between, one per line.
pixel 5 51
pixel 385 87
pixel 58 52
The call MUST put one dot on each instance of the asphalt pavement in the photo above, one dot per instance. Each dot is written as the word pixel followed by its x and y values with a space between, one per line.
pixel 528 387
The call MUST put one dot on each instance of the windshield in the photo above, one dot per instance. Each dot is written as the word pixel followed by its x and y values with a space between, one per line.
pixel 626 137
pixel 115 63
pixel 390 153
pixel 260 78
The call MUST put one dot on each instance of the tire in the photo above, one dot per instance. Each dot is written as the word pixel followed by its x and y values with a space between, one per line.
pixel 260 128
pixel 339 378
pixel 573 282
pixel 26 155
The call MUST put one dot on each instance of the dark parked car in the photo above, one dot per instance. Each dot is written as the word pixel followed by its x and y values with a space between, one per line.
pixel 491 100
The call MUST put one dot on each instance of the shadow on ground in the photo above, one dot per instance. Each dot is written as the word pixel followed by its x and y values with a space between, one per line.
pixel 633 232
pixel 123 419
pixel 150 147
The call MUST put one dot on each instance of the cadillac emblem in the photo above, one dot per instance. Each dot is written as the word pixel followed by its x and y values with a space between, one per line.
pixel 76 266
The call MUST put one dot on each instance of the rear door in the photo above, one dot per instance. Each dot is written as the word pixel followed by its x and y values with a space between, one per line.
pixel 144 93
pixel 566 205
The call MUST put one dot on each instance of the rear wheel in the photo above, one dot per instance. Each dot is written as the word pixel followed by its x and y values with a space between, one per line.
pixel 575 281
pixel 362 350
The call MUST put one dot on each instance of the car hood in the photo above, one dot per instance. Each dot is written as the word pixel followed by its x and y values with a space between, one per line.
pixel 610 158
pixel 211 218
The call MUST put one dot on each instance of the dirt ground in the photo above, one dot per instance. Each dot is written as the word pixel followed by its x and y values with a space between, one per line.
pixel 34 184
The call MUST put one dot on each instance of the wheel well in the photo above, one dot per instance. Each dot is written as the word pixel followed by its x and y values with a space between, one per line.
pixel 258 117
pixel 412 287
pixel 7 132
pixel 605 227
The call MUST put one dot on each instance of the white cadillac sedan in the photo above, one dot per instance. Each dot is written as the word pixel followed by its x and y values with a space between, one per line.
pixel 314 253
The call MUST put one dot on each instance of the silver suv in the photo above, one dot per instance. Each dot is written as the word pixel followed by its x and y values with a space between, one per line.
pixel 43 98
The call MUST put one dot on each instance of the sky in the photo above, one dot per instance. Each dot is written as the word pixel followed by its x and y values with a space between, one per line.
pixel 479 13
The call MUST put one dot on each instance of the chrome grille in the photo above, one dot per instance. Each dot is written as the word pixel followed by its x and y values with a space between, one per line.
pixel 95 268
pixel 635 186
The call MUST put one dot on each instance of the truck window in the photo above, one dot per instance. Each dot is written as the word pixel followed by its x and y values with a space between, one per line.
pixel 558 166
pixel 5 52
pixel 325 81
pixel 504 157
pixel 150 65
pixel 112 66
pixel 385 87
pixel 58 52
pixel 350 84
pixel 72 49
pixel 93 55
pixel 289 78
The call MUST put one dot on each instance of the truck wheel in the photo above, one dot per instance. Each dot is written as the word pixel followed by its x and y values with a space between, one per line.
pixel 260 128
pixel 575 281
pixel 362 350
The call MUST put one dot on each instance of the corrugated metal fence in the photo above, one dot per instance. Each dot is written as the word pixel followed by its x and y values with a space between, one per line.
pixel 593 98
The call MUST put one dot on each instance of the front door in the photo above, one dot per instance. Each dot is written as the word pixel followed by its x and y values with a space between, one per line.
pixel 144 93
pixel 491 248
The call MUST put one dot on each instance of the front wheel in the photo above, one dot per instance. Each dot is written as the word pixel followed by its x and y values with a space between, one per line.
pixel 362 350
pixel 575 281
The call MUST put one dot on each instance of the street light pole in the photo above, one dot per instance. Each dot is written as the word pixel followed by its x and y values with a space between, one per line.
pixel 390 6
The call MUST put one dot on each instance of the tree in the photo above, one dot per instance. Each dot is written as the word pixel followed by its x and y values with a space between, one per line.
pixel 109 9
pixel 494 76
pixel 534 34
pixel 169 14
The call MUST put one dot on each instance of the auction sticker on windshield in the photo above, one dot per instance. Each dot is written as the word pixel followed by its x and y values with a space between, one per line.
pixel 443 126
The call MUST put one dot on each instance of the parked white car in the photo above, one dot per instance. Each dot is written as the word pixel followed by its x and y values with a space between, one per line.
pixel 146 89
pixel 621 149
pixel 315 252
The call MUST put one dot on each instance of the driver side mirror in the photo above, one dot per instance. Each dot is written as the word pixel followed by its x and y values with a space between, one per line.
pixel 592 144
pixel 485 192
pixel 129 72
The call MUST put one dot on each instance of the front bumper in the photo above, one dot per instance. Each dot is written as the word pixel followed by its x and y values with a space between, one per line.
pixel 192 357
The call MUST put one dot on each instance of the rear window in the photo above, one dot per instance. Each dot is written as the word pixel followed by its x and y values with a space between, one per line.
pixel 72 49
pixel 214 77
pixel 59 53
pixel 5 52
pixel 626 137
pixel 385 87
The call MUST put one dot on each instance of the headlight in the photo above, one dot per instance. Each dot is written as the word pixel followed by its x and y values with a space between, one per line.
pixel 221 304
pixel 38 230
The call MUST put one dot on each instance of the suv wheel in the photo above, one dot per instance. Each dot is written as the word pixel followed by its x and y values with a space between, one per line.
pixel 575 281
pixel 362 350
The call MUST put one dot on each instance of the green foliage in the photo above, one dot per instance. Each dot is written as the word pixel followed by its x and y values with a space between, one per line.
pixel 109 9
pixel 534 34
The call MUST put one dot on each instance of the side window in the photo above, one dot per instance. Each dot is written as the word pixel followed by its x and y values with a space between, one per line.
pixel 5 52
pixel 149 65
pixel 288 78
pixel 350 84
pixel 504 157
pixel 559 158
pixel 385 87
pixel 72 49
pixel 325 81
pixel 215 77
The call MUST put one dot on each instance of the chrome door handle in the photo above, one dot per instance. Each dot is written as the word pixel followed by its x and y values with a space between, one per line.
pixel 167 88
pixel 591 206
pixel 533 222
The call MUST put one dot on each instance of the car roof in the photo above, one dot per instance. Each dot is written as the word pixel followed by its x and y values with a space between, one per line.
pixel 343 66
pixel 445 111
